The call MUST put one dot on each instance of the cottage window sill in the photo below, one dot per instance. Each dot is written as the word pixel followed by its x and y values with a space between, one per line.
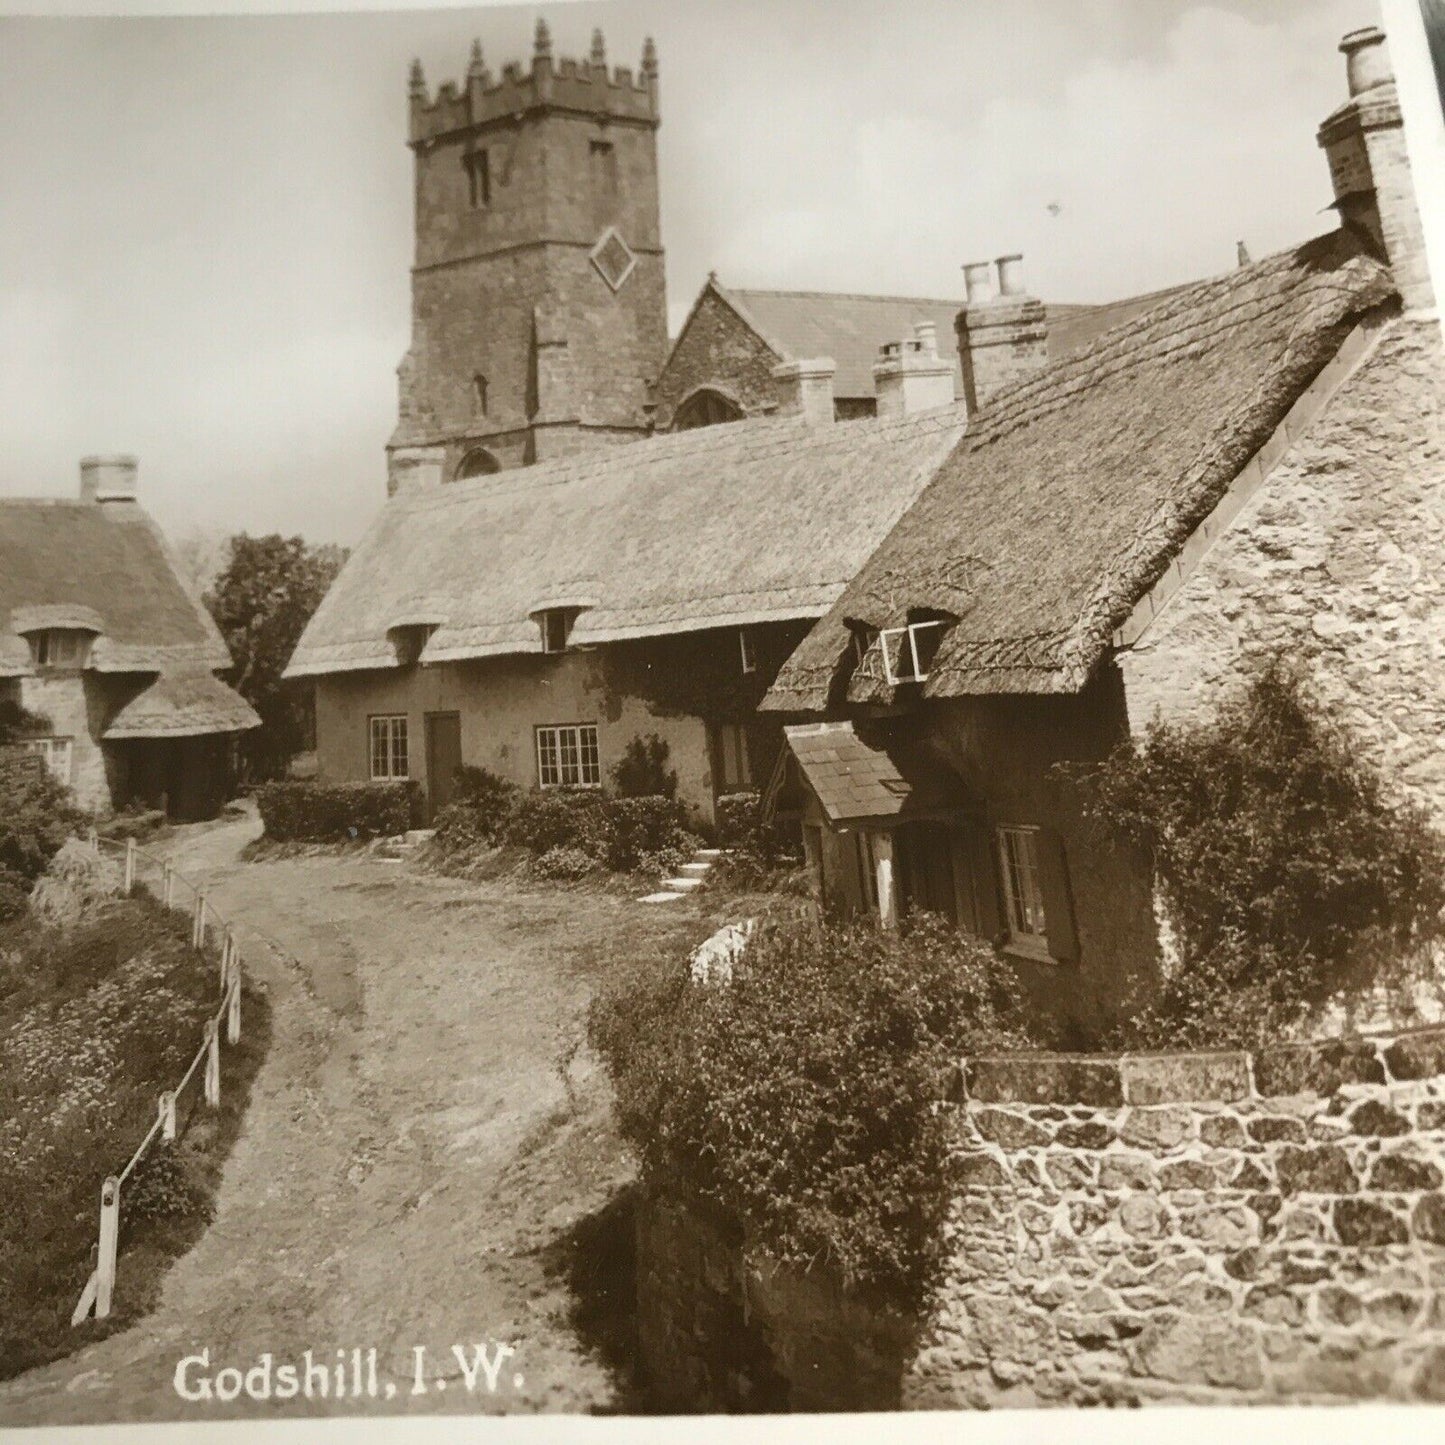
pixel 1028 950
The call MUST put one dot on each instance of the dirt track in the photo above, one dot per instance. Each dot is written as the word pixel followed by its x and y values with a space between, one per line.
pixel 411 1147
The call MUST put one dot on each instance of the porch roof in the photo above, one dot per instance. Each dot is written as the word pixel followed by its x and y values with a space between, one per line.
pixel 861 773
pixel 180 705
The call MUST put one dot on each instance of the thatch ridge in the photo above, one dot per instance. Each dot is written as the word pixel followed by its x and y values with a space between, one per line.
pixel 1075 487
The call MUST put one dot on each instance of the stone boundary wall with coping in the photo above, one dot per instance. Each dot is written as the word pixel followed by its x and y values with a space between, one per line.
pixel 1211 1227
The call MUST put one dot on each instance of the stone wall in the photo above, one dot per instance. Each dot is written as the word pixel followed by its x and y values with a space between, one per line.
pixel 717 350
pixel 1211 1228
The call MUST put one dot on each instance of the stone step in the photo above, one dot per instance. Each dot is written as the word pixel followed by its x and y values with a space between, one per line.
pixel 695 870
pixel 708 854
pixel 416 836
pixel 660 897
pixel 682 885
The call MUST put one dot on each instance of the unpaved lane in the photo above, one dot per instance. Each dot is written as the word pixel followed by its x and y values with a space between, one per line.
pixel 409 1144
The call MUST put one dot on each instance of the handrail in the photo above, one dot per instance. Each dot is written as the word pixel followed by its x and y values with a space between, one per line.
pixel 96 1296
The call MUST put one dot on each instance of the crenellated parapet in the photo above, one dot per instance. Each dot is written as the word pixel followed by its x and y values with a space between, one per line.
pixel 588 86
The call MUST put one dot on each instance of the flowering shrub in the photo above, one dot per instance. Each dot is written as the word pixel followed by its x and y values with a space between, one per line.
pixel 37 815
pixel 565 863
pixel 802 1096
pixel 1288 874
pixel 762 854
pixel 75 885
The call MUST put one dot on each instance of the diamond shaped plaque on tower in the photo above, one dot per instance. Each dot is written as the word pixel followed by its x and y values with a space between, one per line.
pixel 613 258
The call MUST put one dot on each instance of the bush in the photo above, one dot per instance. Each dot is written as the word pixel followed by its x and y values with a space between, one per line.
pixel 642 770
pixel 646 828
pixel 13 895
pixel 560 818
pixel 490 797
pixel 309 812
pixel 565 863
pixel 1288 875
pixel 77 883
pixel 802 1097
pixel 37 815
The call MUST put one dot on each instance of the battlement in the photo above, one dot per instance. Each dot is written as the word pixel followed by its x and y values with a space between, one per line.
pixel 589 86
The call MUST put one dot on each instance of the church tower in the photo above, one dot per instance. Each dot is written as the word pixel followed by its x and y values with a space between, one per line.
pixel 539 315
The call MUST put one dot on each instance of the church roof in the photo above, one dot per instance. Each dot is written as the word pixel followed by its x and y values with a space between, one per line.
pixel 103 568
pixel 1077 486
pixel 755 521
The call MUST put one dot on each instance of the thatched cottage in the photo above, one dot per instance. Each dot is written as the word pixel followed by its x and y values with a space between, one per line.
pixel 537 620
pixel 101 638
pixel 1254 464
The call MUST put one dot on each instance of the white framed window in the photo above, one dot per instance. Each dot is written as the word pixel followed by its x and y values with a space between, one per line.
pixel 567 756
pixel 908 651
pixel 389 747
pixel 57 753
pixel 60 647
pixel 1028 929
pixel 745 648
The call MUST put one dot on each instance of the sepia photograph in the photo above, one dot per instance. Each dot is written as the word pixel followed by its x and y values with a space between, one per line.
pixel 721 710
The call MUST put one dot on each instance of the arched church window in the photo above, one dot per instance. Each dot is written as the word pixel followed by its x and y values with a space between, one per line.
pixel 705 408
pixel 478 462
pixel 479 393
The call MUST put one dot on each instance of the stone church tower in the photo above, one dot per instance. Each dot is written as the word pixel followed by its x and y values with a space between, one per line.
pixel 539 315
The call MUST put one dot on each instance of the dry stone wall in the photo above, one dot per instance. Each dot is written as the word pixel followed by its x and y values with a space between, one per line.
pixel 1221 1227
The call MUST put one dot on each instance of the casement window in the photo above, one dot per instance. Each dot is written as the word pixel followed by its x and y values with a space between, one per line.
pixel 59 647
pixel 747 651
pixel 908 651
pixel 388 747
pixel 730 744
pixel 57 754
pixel 1038 906
pixel 567 756
pixel 556 623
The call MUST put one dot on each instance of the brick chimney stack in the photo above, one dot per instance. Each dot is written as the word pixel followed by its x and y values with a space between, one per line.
pixel 1002 330
pixel 805 388
pixel 1364 141
pixel 910 376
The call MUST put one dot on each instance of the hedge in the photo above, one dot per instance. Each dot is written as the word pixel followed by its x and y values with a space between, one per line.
pixel 311 812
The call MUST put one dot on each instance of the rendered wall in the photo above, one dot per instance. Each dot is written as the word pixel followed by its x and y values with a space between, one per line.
pixel 1219 1228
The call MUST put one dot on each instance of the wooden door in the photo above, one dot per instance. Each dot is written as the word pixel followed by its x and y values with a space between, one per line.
pixel 443 758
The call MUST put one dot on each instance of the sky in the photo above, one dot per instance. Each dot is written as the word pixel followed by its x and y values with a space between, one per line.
pixel 206 227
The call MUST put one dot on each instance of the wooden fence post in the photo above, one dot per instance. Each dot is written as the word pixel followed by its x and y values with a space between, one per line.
pixel 109 1235
pixel 233 1005
pixel 168 884
pixel 213 1064
pixel 129 865
pixel 198 929
pixel 93 838
pixel 167 1111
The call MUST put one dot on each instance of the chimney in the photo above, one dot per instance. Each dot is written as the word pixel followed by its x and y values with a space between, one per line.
pixel 1364 142
pixel 910 375
pixel 410 469
pixel 108 479
pixel 805 388
pixel 1002 334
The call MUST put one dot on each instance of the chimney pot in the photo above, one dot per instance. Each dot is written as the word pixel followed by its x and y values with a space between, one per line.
pixel 978 278
pixel 1367 62
pixel 805 388
pixel 108 479
pixel 1010 275
pixel 927 334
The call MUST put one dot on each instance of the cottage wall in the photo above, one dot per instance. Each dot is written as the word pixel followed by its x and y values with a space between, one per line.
pixel 78 705
pixel 1339 560
pixel 1220 1228
pixel 501 701
pixel 718 350
pixel 1006 749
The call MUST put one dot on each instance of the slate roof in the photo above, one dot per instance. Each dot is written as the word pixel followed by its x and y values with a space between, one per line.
pixel 851 328
pixel 862 773
pixel 761 520
pixel 189 703
pixel 1075 487
pixel 106 568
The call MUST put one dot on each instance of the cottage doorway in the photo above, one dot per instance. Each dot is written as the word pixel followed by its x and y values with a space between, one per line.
pixel 443 758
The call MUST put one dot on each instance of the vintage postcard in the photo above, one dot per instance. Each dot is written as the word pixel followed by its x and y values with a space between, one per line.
pixel 717 710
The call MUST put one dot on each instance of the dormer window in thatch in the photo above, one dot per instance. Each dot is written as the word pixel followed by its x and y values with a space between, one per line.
pixel 908 651
pixel 863 639
pixel 60 648
pixel 556 623
pixel 748 652
pixel 409 639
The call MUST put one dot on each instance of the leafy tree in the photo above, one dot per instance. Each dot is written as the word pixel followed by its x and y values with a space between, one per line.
pixel 1290 875
pixel 264 596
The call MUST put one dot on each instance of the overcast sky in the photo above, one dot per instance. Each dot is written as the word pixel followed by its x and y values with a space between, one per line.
pixel 206 226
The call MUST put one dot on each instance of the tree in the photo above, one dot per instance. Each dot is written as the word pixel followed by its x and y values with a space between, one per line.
pixel 264 596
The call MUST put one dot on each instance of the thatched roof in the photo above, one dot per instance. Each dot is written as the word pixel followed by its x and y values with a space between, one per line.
pixel 190 703
pixel 723 526
pixel 1075 487
pixel 106 569
pixel 850 328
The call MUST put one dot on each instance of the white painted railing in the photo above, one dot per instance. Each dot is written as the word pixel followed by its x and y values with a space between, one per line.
pixel 96 1296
